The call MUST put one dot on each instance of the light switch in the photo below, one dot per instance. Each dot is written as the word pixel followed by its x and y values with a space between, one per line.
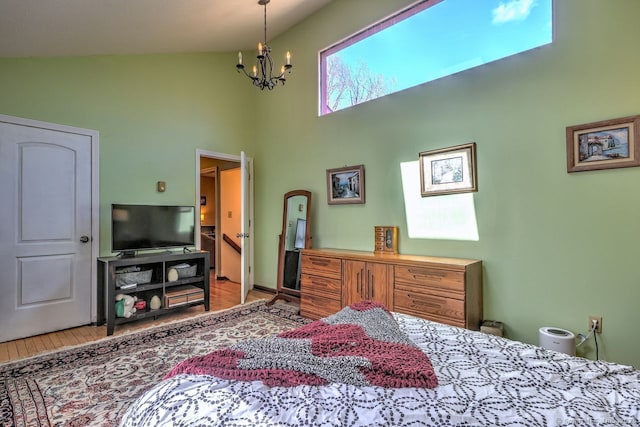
pixel 162 186
pixel 229 215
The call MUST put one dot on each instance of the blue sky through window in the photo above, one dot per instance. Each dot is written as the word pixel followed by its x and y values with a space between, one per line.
pixel 448 37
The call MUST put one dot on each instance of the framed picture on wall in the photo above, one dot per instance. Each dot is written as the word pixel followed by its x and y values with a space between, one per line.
pixel 607 144
pixel 448 170
pixel 345 185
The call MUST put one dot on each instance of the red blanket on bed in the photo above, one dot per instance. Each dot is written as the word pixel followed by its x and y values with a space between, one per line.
pixel 361 345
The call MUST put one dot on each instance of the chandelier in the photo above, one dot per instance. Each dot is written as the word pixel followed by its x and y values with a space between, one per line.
pixel 262 74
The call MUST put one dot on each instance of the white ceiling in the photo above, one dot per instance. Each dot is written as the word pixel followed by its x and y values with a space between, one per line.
pixel 97 27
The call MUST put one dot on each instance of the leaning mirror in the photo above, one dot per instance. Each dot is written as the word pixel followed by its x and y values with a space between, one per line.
pixel 294 237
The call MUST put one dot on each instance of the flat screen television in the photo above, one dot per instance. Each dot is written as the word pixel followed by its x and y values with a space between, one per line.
pixel 141 227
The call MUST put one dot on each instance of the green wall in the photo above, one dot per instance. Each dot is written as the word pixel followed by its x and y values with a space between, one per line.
pixel 152 112
pixel 556 247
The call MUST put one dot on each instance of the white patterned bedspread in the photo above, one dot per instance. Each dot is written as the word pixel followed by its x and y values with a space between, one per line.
pixel 484 381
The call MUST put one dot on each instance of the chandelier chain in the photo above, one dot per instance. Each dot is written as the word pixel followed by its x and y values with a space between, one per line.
pixel 265 23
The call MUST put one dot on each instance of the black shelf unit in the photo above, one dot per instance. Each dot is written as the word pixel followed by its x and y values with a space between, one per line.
pixel 159 263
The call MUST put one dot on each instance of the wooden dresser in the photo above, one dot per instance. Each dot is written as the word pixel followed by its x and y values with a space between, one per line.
pixel 446 290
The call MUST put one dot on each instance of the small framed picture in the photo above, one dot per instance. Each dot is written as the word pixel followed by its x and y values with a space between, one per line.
pixel 345 185
pixel 607 144
pixel 448 170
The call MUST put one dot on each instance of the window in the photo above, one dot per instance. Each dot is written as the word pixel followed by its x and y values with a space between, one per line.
pixel 427 41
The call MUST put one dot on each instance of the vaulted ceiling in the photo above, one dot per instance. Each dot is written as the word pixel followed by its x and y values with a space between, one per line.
pixel 97 27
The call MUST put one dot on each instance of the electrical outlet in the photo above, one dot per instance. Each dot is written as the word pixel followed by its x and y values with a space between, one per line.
pixel 598 320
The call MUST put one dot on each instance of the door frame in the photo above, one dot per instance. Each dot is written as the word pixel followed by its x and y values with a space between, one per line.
pixel 94 135
pixel 234 158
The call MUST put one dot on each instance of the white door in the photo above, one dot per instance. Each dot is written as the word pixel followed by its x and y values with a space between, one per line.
pixel 246 224
pixel 45 228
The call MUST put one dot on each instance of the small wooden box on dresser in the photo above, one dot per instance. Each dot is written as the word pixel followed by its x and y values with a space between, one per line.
pixel 446 290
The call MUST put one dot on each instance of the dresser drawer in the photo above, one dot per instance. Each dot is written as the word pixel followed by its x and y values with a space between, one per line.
pixel 322 286
pixel 322 266
pixel 428 291
pixel 430 277
pixel 316 307
pixel 423 304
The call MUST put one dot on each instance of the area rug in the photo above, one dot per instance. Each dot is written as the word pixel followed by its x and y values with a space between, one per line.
pixel 93 384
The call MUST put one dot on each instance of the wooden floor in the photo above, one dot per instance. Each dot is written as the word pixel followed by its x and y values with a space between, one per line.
pixel 224 294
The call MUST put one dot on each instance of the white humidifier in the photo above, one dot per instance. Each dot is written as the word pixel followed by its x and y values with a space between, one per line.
pixel 557 339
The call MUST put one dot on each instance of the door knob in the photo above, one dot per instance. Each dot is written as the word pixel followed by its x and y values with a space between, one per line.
pixel 84 239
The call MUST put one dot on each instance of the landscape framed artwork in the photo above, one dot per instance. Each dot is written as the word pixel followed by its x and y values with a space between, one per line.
pixel 345 185
pixel 606 144
pixel 448 170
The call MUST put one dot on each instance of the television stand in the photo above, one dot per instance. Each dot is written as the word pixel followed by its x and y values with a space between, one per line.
pixel 188 290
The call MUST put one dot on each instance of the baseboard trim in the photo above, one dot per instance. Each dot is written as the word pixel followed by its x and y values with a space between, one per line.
pixel 264 289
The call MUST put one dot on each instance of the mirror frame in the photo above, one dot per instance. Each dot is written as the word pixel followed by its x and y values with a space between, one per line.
pixel 281 291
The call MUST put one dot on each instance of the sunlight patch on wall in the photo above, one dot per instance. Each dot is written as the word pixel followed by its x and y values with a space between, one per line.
pixel 450 217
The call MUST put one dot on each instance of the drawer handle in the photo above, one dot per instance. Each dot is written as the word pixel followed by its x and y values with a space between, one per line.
pixel 365 292
pixel 417 274
pixel 424 302
pixel 319 261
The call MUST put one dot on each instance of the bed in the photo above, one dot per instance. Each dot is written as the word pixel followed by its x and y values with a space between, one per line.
pixel 476 380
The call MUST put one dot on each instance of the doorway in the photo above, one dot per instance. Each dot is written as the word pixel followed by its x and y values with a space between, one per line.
pixel 221 186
